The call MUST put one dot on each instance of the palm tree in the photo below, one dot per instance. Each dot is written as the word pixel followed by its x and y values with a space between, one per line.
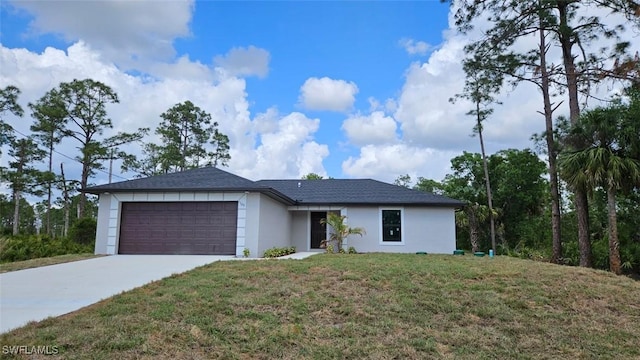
pixel 339 231
pixel 471 216
pixel 605 162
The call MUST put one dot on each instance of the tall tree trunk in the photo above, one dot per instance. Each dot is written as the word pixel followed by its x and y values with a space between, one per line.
pixel 487 182
pixel 17 187
pixel 48 216
pixel 84 179
pixel 65 194
pixel 556 219
pixel 614 246
pixel 111 154
pixel 16 211
pixel 581 202
pixel 582 211
pixel 185 145
pixel 473 227
pixel 551 151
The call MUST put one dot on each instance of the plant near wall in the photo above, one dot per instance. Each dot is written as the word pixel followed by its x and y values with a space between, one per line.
pixel 340 231
pixel 275 252
pixel 246 252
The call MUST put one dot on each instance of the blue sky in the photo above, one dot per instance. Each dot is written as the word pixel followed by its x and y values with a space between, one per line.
pixel 355 89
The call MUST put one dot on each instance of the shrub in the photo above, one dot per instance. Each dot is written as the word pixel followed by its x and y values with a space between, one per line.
pixel 25 247
pixel 600 253
pixel 571 253
pixel 523 251
pixel 630 255
pixel 83 231
pixel 352 250
pixel 277 252
pixel 246 252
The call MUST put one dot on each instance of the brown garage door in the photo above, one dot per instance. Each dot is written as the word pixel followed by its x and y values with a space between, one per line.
pixel 178 228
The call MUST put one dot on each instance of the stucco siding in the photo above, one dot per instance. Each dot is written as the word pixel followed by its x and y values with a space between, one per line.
pixel 367 218
pixel 434 228
pixel 102 228
pixel 300 230
pixel 274 225
pixel 424 229
pixel 252 224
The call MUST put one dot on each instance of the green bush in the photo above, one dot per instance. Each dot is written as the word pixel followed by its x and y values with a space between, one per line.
pixel 277 252
pixel 570 253
pixel 352 250
pixel 329 249
pixel 523 251
pixel 630 255
pixel 600 252
pixel 83 231
pixel 25 247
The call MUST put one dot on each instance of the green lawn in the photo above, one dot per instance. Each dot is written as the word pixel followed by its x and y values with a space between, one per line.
pixel 372 306
pixel 33 263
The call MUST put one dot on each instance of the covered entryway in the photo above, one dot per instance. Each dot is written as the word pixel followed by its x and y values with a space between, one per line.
pixel 318 229
pixel 194 228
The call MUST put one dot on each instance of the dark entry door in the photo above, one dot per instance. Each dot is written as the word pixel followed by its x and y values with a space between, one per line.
pixel 318 230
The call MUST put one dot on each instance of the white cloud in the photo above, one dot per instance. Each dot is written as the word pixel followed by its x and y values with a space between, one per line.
pixel 286 148
pixel 183 68
pixel 123 31
pixel 245 61
pixel 327 94
pixel 429 119
pixel 423 109
pixel 268 146
pixel 413 47
pixel 375 128
pixel 387 162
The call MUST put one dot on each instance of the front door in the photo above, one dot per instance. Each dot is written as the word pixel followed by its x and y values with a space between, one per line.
pixel 318 230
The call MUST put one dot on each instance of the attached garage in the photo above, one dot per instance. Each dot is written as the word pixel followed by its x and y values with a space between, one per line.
pixel 195 228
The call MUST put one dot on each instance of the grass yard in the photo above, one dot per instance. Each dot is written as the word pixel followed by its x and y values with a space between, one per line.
pixel 33 263
pixel 373 306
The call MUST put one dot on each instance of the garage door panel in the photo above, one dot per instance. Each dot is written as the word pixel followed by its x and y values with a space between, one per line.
pixel 230 206
pixel 178 228
pixel 229 232
pixel 204 219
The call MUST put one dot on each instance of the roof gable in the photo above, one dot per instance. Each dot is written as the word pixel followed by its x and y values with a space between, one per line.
pixel 206 178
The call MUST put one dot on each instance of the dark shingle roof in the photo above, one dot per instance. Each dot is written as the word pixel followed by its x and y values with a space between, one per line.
pixel 354 191
pixel 308 192
pixel 207 178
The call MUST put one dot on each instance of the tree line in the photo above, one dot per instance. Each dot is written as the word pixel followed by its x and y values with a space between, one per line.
pixel 77 111
pixel 588 153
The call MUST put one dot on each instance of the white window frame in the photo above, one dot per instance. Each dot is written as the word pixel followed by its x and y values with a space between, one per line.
pixel 402 227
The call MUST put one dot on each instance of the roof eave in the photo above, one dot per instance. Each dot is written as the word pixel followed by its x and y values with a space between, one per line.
pixel 360 203
pixel 276 195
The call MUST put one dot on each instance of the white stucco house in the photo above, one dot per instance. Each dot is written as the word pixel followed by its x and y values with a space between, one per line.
pixel 211 211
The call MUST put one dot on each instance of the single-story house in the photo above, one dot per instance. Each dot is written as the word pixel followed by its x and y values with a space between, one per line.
pixel 211 211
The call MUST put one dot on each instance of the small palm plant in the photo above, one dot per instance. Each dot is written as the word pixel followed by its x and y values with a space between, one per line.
pixel 340 231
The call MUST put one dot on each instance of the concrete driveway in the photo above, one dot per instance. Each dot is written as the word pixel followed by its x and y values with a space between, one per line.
pixel 35 294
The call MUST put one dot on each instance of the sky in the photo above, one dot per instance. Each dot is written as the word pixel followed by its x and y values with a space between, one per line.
pixel 356 89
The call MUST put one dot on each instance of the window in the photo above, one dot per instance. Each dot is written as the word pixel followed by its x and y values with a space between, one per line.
pixel 391 226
